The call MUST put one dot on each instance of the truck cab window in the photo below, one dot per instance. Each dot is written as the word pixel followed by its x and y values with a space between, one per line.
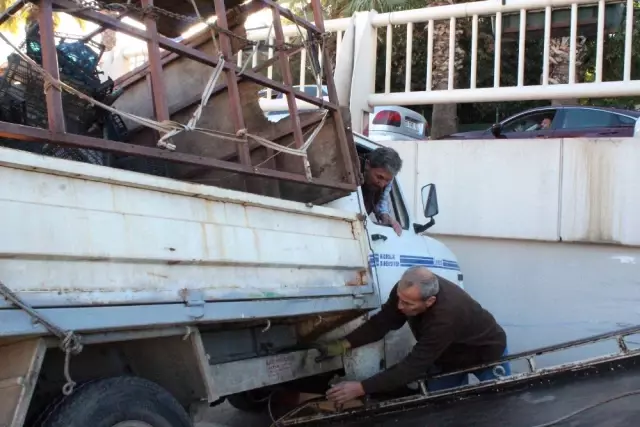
pixel 399 211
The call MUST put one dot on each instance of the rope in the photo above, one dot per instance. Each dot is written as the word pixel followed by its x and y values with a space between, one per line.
pixel 168 127
pixel 70 343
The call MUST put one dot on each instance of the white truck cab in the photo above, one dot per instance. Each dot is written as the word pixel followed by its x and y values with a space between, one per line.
pixel 390 254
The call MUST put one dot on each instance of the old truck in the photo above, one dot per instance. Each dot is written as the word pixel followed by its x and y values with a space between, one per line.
pixel 131 288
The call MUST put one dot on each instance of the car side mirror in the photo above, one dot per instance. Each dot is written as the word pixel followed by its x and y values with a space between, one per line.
pixel 496 130
pixel 429 208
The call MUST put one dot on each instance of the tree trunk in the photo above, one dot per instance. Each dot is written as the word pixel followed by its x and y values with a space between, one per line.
pixel 559 50
pixel 444 117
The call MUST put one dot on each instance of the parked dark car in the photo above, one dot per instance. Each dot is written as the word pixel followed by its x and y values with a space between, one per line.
pixel 562 122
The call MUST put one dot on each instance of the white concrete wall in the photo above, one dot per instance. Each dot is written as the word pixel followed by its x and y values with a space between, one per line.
pixel 544 293
pixel 505 205
pixel 600 197
pixel 578 190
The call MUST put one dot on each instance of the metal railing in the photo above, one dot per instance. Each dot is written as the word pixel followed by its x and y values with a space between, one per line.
pixel 507 25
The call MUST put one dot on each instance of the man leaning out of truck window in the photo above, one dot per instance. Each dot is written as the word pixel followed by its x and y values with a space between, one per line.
pixel 379 168
pixel 452 330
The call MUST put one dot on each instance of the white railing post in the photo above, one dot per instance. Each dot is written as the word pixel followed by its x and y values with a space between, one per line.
pixel 364 69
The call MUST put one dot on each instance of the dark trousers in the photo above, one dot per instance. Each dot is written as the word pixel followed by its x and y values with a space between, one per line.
pixel 457 380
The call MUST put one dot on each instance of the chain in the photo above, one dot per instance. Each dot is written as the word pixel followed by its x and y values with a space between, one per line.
pixel 154 12
pixel 70 343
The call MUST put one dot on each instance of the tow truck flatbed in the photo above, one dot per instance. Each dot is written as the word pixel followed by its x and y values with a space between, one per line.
pixel 599 392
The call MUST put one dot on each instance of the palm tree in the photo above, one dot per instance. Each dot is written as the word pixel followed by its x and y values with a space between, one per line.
pixel 444 117
pixel 26 17
pixel 559 71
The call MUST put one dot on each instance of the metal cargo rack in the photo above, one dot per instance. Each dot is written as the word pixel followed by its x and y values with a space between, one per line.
pixel 158 19
pixel 481 401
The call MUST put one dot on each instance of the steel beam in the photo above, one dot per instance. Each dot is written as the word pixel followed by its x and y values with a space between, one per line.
pixel 55 114
pixel 32 134
pixel 285 70
pixel 232 82
pixel 339 125
pixel 158 87
pixel 291 17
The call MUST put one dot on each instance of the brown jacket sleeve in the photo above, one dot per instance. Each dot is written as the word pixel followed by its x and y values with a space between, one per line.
pixel 387 319
pixel 435 337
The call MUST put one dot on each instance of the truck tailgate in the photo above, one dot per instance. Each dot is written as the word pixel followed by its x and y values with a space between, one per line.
pixel 75 234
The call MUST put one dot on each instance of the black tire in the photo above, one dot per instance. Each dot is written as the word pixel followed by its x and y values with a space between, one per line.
pixel 105 403
pixel 250 401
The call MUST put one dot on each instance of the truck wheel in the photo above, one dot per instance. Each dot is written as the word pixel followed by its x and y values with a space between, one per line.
pixel 119 402
pixel 250 401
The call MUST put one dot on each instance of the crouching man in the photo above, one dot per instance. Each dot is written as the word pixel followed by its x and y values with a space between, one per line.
pixel 452 330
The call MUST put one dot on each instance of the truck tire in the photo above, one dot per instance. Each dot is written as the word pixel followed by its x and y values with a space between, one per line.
pixel 121 402
pixel 250 401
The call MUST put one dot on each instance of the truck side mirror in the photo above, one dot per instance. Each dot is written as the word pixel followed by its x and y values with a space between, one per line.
pixel 496 130
pixel 429 208
pixel 429 200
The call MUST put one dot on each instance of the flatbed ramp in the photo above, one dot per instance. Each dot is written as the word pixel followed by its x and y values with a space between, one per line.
pixel 533 405
pixel 598 392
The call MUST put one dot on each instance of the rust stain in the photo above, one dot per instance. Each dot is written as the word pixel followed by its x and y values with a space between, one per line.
pixel 599 167
pixel 360 280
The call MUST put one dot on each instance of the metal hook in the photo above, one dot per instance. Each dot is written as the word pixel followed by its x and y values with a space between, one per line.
pixel 266 328
pixel 499 371
pixel 187 333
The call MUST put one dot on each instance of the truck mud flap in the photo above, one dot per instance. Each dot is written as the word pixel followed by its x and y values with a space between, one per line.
pixel 20 364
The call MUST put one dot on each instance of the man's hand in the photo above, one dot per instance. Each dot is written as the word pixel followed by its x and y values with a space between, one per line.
pixel 342 393
pixel 385 219
pixel 396 227
pixel 332 349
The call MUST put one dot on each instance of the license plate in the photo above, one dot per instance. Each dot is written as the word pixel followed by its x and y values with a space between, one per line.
pixel 414 126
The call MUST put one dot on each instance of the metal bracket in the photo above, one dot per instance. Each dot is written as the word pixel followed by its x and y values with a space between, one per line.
pixel 358 300
pixel 194 300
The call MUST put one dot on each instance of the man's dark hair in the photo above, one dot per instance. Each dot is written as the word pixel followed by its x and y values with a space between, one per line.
pixel 386 158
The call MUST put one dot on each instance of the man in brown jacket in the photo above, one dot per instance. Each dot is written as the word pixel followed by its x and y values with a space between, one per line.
pixel 452 331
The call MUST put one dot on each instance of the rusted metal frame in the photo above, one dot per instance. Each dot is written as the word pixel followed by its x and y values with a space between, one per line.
pixel 37 135
pixel 291 17
pixel 340 128
pixel 253 145
pixel 232 82
pixel 11 10
pixel 158 88
pixel 191 53
pixel 133 76
pixel 140 72
pixel 266 64
pixel 285 70
pixel 101 29
pixel 55 114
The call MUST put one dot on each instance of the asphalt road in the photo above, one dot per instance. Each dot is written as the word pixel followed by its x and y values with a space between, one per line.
pixel 226 415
